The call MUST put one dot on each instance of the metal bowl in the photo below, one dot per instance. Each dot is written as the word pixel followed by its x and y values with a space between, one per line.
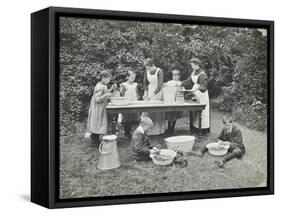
pixel 165 157
pixel 120 101
pixel 182 143
pixel 216 149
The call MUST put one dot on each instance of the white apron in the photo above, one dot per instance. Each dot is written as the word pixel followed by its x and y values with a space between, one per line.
pixel 170 90
pixel 131 93
pixel 204 98
pixel 157 118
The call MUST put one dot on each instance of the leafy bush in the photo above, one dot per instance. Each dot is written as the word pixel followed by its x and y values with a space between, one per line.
pixel 231 57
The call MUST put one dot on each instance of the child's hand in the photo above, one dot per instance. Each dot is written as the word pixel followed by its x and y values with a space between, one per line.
pixel 87 135
pixel 154 150
pixel 114 86
pixel 226 143
pixel 123 86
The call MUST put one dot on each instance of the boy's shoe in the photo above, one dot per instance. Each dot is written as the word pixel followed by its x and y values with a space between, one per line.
pixel 219 163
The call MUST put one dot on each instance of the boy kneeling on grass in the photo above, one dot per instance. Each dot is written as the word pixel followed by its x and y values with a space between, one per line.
pixel 230 135
pixel 140 142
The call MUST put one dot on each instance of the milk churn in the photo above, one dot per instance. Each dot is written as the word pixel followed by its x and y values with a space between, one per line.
pixel 109 156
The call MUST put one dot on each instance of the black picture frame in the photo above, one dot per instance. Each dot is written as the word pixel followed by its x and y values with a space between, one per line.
pixel 45 112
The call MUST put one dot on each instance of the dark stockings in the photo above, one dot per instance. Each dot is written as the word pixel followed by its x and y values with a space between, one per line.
pixel 171 126
pixel 127 129
pixel 95 139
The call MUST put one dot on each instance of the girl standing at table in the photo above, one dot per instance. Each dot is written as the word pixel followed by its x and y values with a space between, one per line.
pixel 129 89
pixel 197 82
pixel 97 118
pixel 172 86
pixel 153 81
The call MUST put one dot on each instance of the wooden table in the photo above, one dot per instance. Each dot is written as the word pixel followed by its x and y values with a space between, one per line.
pixel 155 107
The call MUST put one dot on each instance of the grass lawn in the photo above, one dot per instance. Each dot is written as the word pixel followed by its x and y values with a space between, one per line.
pixel 79 176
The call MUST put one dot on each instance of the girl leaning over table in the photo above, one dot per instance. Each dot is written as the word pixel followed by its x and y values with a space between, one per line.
pixel 197 83
pixel 153 81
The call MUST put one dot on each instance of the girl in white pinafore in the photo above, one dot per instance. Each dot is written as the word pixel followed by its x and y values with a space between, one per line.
pixel 198 81
pixel 129 89
pixel 203 98
pixel 158 118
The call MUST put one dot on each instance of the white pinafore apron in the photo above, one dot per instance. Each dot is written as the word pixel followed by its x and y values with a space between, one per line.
pixel 157 118
pixel 204 98
pixel 131 93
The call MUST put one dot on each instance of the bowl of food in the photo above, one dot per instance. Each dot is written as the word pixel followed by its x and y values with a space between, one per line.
pixel 120 101
pixel 163 157
pixel 217 149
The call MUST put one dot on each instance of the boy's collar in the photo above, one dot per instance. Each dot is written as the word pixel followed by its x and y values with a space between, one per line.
pixel 140 129
pixel 229 131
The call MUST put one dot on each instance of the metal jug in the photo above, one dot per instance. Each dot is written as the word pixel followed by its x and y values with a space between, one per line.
pixel 109 156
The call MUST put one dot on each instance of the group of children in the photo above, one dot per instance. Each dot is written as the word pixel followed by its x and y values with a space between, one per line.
pixel 229 135
pixel 97 116
pixel 98 120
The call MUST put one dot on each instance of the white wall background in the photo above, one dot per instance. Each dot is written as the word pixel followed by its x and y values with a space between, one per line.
pixel 15 106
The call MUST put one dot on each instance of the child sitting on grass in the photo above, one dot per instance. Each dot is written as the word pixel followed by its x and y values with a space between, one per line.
pixel 229 135
pixel 140 142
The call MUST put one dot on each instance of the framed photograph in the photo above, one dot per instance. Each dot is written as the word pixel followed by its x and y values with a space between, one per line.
pixel 138 107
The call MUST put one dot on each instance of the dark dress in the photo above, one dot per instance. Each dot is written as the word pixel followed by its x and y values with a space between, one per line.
pixel 198 81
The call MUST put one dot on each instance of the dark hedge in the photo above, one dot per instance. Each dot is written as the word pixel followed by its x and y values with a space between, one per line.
pixel 235 60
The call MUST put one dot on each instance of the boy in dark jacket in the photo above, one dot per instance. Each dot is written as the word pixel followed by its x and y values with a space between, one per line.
pixel 140 142
pixel 230 135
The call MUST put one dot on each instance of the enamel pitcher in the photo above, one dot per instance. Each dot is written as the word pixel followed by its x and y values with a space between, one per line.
pixel 109 156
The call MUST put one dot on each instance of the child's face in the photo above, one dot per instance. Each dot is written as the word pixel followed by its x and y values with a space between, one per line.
pixel 106 80
pixel 176 76
pixel 150 68
pixel 147 127
pixel 194 66
pixel 227 125
pixel 131 77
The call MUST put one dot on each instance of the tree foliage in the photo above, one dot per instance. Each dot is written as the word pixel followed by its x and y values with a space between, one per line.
pixel 235 60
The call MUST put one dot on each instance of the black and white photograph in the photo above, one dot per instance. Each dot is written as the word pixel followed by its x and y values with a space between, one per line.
pixel 152 107
pixel 141 108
